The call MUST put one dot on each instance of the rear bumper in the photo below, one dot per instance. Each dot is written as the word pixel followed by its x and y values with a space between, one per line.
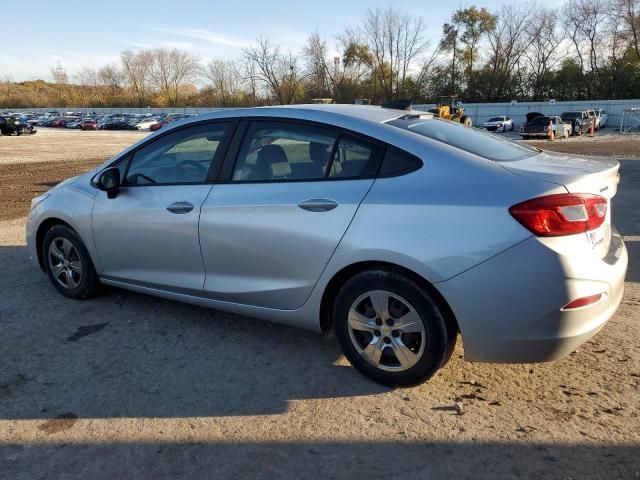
pixel 509 308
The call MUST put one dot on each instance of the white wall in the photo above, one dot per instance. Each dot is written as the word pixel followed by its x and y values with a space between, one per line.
pixel 481 112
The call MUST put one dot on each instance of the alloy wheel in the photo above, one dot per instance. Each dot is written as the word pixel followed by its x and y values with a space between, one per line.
pixel 65 263
pixel 386 331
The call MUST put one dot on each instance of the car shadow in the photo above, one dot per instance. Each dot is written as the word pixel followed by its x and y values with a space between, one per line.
pixel 124 354
pixel 307 460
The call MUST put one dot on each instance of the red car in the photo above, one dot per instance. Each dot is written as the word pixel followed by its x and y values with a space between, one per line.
pixel 61 122
pixel 158 126
pixel 89 124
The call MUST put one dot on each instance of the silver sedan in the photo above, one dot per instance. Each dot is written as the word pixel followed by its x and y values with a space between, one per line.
pixel 394 229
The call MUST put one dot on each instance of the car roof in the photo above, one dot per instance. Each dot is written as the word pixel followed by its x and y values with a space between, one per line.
pixel 316 111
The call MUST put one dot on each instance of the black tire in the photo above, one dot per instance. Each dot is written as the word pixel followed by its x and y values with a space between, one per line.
pixel 87 281
pixel 440 337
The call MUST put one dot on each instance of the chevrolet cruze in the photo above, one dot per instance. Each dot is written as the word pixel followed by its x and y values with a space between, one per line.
pixel 392 228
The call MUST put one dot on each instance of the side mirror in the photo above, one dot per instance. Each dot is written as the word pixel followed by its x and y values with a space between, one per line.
pixel 109 181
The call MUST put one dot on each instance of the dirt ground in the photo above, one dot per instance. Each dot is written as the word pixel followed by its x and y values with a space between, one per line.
pixel 130 386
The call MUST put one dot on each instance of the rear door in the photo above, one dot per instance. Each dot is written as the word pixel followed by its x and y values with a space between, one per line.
pixel 289 190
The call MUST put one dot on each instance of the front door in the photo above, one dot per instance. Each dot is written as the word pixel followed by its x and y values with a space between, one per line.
pixel 148 234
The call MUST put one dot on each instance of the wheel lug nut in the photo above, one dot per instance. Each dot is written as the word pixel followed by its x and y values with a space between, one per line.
pixel 390 322
pixel 387 340
pixel 395 334
pixel 377 333
pixel 378 321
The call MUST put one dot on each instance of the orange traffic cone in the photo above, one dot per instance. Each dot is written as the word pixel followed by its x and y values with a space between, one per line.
pixel 591 124
pixel 551 131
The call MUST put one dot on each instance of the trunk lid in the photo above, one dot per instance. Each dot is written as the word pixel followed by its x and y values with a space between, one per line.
pixel 595 175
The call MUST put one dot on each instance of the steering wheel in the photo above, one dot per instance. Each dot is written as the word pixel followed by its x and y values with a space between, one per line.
pixel 202 172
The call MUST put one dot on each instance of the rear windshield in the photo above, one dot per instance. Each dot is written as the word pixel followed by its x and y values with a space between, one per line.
pixel 469 139
pixel 571 115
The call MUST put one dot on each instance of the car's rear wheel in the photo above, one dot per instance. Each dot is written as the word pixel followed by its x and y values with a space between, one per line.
pixel 391 328
pixel 68 264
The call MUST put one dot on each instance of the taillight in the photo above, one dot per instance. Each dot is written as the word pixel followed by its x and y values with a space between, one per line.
pixel 583 302
pixel 561 214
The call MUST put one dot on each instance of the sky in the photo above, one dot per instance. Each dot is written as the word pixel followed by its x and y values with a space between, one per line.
pixel 79 33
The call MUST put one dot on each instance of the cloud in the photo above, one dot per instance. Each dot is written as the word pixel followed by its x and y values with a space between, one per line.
pixel 213 38
pixel 158 44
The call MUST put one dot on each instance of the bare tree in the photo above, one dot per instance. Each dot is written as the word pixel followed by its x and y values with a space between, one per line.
pixel 137 73
pixel 394 41
pixel 507 44
pixel 112 77
pixel 226 79
pixel 627 17
pixel 542 55
pixel 318 71
pixel 585 22
pixel 87 77
pixel 171 70
pixel 279 73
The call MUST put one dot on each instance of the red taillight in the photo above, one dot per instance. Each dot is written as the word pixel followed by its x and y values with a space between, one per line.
pixel 561 214
pixel 583 302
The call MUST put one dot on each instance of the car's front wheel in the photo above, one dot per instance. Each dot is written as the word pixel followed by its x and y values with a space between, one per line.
pixel 391 328
pixel 68 264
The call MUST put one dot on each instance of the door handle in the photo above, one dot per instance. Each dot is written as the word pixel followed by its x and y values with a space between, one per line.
pixel 180 207
pixel 318 205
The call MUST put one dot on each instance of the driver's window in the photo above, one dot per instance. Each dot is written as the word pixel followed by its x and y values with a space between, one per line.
pixel 183 156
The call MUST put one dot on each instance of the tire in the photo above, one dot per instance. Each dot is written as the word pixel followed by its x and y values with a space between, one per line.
pixel 466 121
pixel 425 345
pixel 84 282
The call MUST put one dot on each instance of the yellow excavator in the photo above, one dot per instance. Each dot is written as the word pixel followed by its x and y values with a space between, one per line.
pixel 449 109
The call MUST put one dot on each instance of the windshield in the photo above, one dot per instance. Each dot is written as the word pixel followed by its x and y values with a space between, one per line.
pixel 472 140
pixel 496 119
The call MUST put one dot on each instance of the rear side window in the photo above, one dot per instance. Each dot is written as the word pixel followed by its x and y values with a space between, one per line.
pixel 468 139
pixel 281 151
pixel 397 162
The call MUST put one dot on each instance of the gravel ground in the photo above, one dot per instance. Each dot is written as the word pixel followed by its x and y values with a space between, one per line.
pixel 130 386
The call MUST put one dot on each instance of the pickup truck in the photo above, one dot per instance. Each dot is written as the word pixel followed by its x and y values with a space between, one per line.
pixel 579 121
pixel 538 126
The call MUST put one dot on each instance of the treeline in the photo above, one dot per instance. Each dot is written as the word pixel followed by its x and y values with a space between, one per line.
pixel 588 49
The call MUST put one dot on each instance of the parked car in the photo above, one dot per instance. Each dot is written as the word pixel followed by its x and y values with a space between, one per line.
pixel 148 122
pixel 498 124
pixel 158 125
pixel 392 228
pixel 537 125
pixel 61 122
pixel 601 118
pixel 169 119
pixel 89 124
pixel 75 123
pixel 579 121
pixel 117 125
